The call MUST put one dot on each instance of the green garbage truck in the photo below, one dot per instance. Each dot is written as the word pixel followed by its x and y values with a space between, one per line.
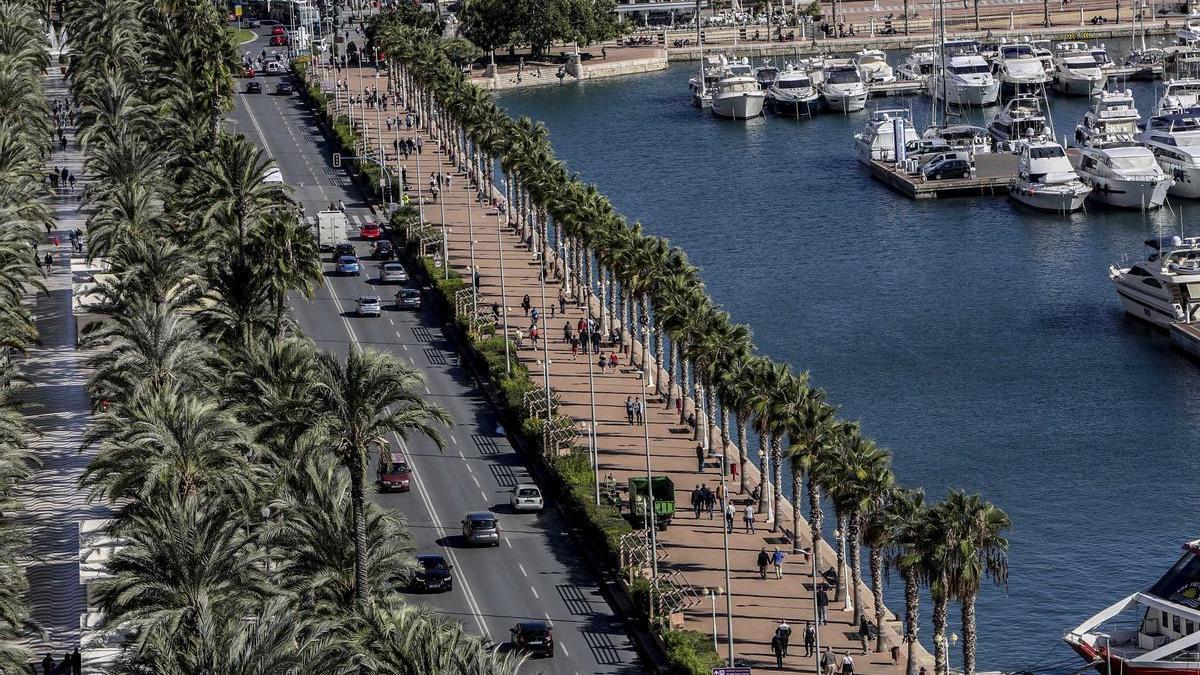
pixel 662 494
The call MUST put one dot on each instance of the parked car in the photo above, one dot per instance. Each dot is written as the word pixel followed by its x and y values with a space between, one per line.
pixel 392 273
pixel 342 250
pixel 533 637
pixel 278 30
pixel 253 87
pixel 383 250
pixel 284 88
pixel 481 527
pixel 275 68
pixel 952 164
pixel 408 298
pixel 370 230
pixel 369 305
pixel 393 473
pixel 433 573
pixel 526 498
pixel 348 265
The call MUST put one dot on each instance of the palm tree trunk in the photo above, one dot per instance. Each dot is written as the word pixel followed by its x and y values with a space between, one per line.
pixel 876 557
pixel 912 604
pixel 816 520
pixel 672 362
pixel 840 549
pixel 969 635
pixel 764 469
pixel 976 28
pixel 645 323
pixel 362 594
pixel 797 486
pixel 940 611
pixel 741 429
pixel 855 542
pixel 708 415
pixel 280 306
pixel 777 481
pixel 684 382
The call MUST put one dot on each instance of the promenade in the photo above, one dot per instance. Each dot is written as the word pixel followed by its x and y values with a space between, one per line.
pixel 693 546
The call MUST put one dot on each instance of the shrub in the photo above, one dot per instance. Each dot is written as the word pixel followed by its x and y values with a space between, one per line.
pixel 690 652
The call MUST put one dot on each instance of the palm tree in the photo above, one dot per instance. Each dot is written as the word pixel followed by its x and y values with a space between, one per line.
pixel 400 639
pixel 909 517
pixel 286 255
pixel 364 400
pixel 879 528
pixel 864 476
pixel 810 425
pixel 977 551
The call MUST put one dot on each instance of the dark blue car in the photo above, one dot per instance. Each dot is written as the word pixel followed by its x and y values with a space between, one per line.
pixel 348 265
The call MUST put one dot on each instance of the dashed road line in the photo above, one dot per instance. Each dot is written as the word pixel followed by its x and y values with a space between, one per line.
pixel 523 572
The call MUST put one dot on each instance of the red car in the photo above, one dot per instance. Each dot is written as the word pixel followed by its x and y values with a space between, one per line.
pixel 279 41
pixel 393 473
pixel 370 231
pixel 278 30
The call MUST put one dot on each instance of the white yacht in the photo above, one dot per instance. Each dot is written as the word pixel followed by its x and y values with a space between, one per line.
pixel 1163 289
pixel 1181 61
pixel 873 65
pixel 965 80
pixel 1121 173
pixel 1041 48
pixel 1145 63
pixel 1190 32
pixel 972 139
pixel 1045 180
pixel 766 75
pixel 737 96
pixel 919 63
pixel 1020 119
pixel 1020 70
pixel 877 140
pixel 1076 71
pixel 701 85
pixel 1175 142
pixel 1177 96
pixel 843 88
pixel 1113 114
pixel 793 93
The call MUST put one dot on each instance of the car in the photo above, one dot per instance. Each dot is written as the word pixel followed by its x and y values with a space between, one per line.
pixel 342 250
pixel 348 265
pixel 278 30
pixel 248 72
pixel 370 230
pixel 275 68
pixel 392 273
pixel 393 473
pixel 253 23
pixel 279 41
pixel 433 573
pixel 284 89
pixel 383 250
pixel 253 87
pixel 947 166
pixel 481 527
pixel 533 637
pixel 525 498
pixel 369 305
pixel 408 298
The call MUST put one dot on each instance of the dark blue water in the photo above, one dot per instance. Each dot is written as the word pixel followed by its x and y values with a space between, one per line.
pixel 982 344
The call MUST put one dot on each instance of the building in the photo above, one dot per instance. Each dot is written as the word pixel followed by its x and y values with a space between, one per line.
pixel 659 12
pixel 296 13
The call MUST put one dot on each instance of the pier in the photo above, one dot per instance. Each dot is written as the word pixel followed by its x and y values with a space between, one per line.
pixel 1186 337
pixel 993 173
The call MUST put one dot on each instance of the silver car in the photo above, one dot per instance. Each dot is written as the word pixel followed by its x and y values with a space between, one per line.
pixel 481 527
pixel 392 273
pixel 526 498
pixel 369 305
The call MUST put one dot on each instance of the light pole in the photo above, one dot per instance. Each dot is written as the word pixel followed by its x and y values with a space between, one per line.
pixel 649 496
pixel 712 595
pixel 471 234
pixel 592 428
pixel 728 583
pixel 843 586
pixel 817 611
pixel 503 292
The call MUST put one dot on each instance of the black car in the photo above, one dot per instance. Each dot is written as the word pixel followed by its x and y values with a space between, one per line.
pixel 433 573
pixel 947 168
pixel 284 88
pixel 383 250
pixel 253 87
pixel 408 298
pixel 341 250
pixel 533 638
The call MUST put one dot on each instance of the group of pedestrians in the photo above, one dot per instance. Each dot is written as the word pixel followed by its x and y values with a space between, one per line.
pixel 71 664
pixel 635 411
pixel 705 500
pixel 62 176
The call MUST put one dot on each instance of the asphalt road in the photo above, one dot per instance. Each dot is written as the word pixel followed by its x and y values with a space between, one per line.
pixel 537 572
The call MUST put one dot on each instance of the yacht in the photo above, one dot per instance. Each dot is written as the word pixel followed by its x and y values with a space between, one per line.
pixel 965 80
pixel 1190 32
pixel 737 96
pixel 974 140
pixel 1145 63
pixel 873 65
pixel 1045 180
pixel 701 85
pixel 792 93
pixel 1175 142
pixel 1121 172
pixel 1041 48
pixel 1113 114
pixel 1177 96
pixel 766 75
pixel 1020 119
pixel 877 140
pixel 1019 70
pixel 843 88
pixel 1076 71
pixel 1181 61
pixel 1163 289
pixel 919 63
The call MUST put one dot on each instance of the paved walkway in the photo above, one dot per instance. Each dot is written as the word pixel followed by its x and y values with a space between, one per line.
pixel 694 546
pixel 58 408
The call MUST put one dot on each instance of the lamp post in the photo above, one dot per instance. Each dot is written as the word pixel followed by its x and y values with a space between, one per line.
pixel 728 583
pixel 816 611
pixel 592 429
pixel 503 291
pixel 843 588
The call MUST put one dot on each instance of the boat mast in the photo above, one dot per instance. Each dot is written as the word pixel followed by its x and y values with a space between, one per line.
pixel 700 44
pixel 942 57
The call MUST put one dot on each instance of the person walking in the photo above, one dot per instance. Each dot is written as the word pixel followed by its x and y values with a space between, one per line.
pixel 525 304
pixel 603 363
pixel 700 457
pixel 696 502
pixel 562 302
pixel 721 494
pixel 777 650
pixel 847 664
pixel 763 560
pixel 784 631
pixel 733 472
pixel 49 261
pixel 709 501
pixel 822 606
pixel 574 348
pixel 864 632
pixel 730 512
pixel 48 664
pixel 810 638
pixel 748 516
pixel 777 561
pixel 76 662
pixel 827 661
pixel 639 411
pixel 628 411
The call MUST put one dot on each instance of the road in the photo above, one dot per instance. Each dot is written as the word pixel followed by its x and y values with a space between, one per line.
pixel 537 572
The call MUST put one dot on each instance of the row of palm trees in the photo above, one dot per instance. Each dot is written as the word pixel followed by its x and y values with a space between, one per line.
pixel 25 140
pixel 234 451
pixel 646 288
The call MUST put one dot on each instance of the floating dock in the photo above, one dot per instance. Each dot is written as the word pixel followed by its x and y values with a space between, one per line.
pixel 897 88
pixel 993 173
pixel 1186 337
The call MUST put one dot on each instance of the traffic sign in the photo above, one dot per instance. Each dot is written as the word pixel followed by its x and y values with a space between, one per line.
pixel 731 671
pixel 404 200
pixel 237 10
pixel 337 160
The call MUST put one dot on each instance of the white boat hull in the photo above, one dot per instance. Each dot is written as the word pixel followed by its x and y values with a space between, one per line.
pixel 738 106
pixel 1143 306
pixel 845 101
pixel 1062 198
pixel 1187 180
pixel 1129 193
pixel 977 96
pixel 1078 86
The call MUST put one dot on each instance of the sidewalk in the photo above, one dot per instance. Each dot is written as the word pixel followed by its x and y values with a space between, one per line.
pixel 694 547
pixel 58 409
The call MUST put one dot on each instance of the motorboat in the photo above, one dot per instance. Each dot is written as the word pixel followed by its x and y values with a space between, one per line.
pixel 966 80
pixel 1076 71
pixel 1182 61
pixel 737 96
pixel 1175 142
pixel 1163 289
pixel 1045 180
pixel 843 89
pixel 1189 33
pixel 1121 172
pixel 1019 70
pixel 975 140
pixel 919 63
pixel 878 141
pixel 793 92
pixel 701 85
pixel 1177 96
pixel 873 65
pixel 1145 63
pixel 1042 49
pixel 1020 119
pixel 766 75
pixel 1113 114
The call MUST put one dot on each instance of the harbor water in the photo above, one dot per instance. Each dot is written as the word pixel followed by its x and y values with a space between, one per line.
pixel 982 344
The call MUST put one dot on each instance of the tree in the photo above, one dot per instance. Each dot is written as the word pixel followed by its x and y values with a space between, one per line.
pixel 461 51
pixel 977 550
pixel 811 425
pixel 489 23
pixel 908 550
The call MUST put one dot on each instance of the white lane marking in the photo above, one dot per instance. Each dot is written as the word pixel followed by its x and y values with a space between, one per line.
pixel 565 652
pixel 427 392
pixel 549 622
pixel 453 439
pixel 508 542
pixel 393 323
pixel 405 346
pixel 484 498
pixel 460 454
pixel 476 480
pixel 535 593
pixel 523 572
pixel 410 360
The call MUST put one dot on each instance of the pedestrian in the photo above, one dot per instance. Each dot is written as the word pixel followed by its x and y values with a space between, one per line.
pixel 639 411
pixel 562 302
pixel 533 335
pixel 826 661
pixel 730 511
pixel 49 261
pixel 895 650
pixel 603 363
pixel 596 341
pixel 777 561
pixel 864 632
pixel 784 631
pixel 763 560
pixel 49 227
pixel 748 516
pixel 63 173
pixel 629 411
pixel 700 457
pixel 777 650
pixel 822 606
pixel 733 470
pixel 810 638
pixel 847 664
pixel 525 304
pixel 520 340
pixel 76 662
pixel 574 348
pixel 604 52
pixel 721 494
pixel 534 314
pixel 612 359
pixel 37 260
pixel 710 501
pixel 697 498
pixel 48 664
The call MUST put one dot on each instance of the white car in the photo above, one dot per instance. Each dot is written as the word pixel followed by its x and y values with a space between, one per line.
pixel 275 68
pixel 392 273
pixel 369 305
pixel 526 498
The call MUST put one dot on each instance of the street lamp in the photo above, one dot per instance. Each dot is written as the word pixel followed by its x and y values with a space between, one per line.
pixel 712 594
